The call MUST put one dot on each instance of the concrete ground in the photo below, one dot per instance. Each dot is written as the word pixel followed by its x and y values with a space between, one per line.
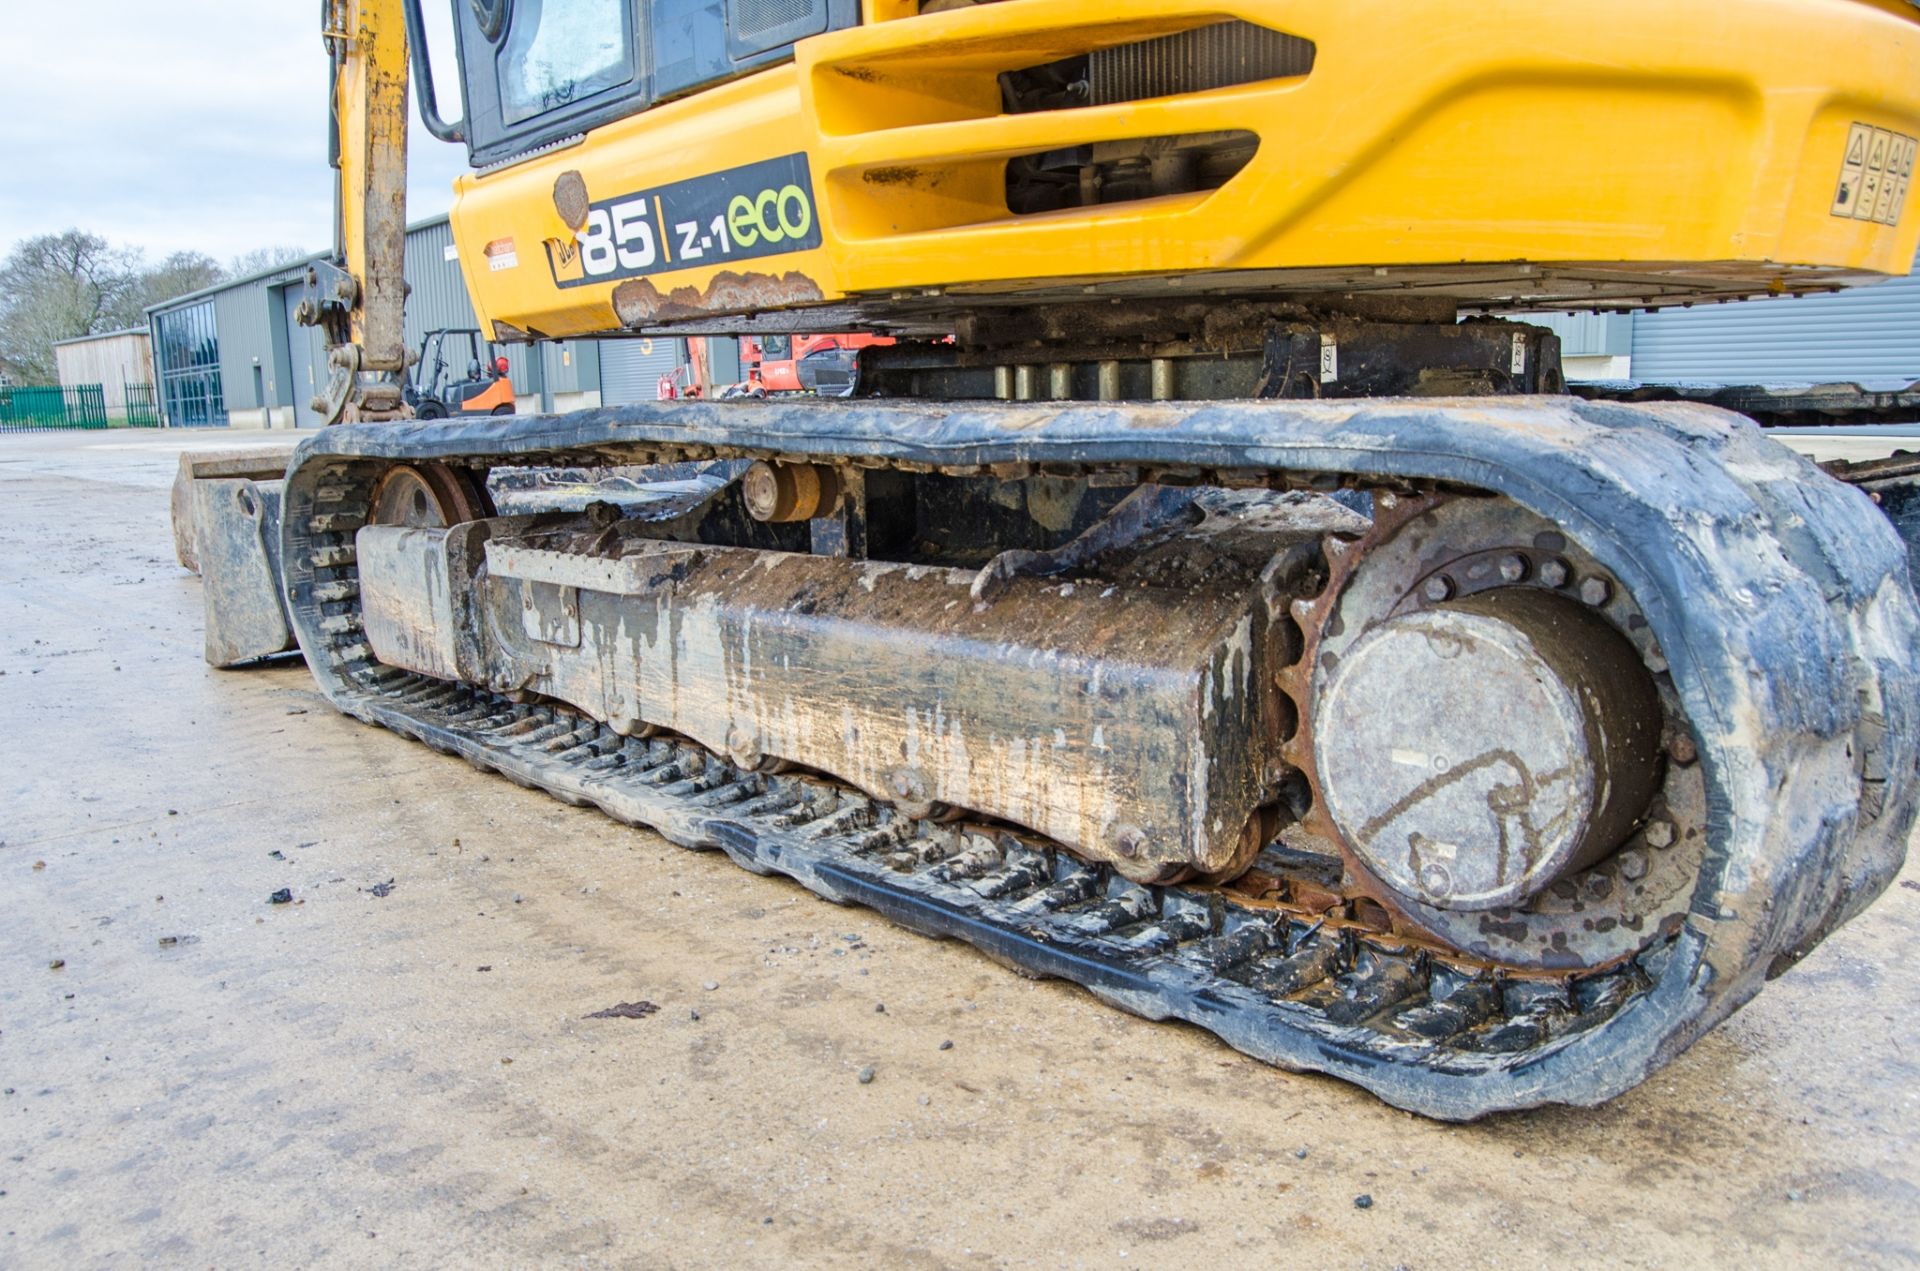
pixel 399 1065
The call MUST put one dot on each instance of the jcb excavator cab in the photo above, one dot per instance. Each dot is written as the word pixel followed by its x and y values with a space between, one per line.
pixel 452 377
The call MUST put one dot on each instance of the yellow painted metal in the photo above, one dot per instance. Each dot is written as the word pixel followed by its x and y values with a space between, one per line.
pixel 370 101
pixel 1632 151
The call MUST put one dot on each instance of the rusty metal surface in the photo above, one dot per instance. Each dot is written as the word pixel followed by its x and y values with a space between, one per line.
pixel 570 198
pixel 640 304
pixel 1476 752
pixel 1426 553
pixel 1789 651
pixel 428 495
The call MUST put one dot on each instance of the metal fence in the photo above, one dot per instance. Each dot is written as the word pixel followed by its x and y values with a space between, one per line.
pixel 143 406
pixel 30 409
pixel 77 406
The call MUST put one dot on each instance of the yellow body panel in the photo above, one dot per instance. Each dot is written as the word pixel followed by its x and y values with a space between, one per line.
pixel 1635 152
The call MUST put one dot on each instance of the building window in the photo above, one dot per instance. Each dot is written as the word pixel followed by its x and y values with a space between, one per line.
pixel 188 349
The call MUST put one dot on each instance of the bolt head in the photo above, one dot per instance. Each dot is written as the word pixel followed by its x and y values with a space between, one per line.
pixel 1130 842
pixel 1554 573
pixel 1437 588
pixel 1596 886
pixel 1658 834
pixel 1595 591
pixel 1513 568
pixel 1633 865
pixel 1682 750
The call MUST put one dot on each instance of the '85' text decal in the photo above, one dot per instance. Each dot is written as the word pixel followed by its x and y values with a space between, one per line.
pixel 761 209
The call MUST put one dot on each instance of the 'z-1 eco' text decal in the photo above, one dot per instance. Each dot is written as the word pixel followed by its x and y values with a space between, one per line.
pixel 761 209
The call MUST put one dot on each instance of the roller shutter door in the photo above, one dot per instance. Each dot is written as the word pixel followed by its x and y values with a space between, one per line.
pixel 1868 335
pixel 630 370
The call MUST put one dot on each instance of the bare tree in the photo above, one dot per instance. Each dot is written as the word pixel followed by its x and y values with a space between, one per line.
pixel 261 259
pixel 62 286
pixel 56 287
pixel 177 275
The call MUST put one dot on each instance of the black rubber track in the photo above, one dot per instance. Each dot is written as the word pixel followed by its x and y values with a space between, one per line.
pixel 1778 595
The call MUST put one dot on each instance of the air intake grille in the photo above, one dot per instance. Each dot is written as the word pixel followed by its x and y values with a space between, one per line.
pixel 755 18
pixel 1217 56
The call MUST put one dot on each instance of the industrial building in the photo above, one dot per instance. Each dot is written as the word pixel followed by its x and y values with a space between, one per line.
pixel 1867 335
pixel 233 354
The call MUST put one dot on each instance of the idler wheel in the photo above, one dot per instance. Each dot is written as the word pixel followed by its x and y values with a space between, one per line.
pixel 431 496
pixel 1473 753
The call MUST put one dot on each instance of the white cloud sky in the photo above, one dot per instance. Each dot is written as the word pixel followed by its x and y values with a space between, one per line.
pixel 190 125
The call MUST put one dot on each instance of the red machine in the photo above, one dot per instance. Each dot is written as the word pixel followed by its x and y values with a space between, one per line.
pixel 819 364
pixel 825 365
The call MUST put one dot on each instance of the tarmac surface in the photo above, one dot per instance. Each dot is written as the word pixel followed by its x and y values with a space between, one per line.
pixel 399 1065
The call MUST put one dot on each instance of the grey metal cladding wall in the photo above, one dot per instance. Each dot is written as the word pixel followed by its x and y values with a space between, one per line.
pixel 1870 335
pixel 439 294
pixel 240 317
pixel 573 366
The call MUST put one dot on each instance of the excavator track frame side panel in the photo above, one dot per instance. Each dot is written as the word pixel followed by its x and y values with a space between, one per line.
pixel 1787 621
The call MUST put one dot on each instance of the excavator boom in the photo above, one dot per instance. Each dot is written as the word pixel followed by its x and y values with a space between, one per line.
pixel 359 296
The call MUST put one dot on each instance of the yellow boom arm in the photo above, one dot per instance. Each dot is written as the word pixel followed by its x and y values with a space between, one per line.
pixel 360 296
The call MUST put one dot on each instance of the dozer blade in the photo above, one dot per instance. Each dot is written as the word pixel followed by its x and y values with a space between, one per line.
pixel 1765 604
pixel 236 531
pixel 226 527
pixel 255 463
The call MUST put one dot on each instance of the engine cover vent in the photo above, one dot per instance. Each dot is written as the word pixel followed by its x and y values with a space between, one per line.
pixel 1219 55
pixel 1208 57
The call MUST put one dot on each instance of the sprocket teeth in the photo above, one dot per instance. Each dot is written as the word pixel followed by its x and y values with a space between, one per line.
pixel 1340 548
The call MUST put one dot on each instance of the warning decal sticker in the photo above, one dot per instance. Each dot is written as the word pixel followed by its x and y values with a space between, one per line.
pixel 1875 174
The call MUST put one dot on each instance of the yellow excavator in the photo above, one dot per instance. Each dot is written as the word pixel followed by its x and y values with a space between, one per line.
pixel 1206 596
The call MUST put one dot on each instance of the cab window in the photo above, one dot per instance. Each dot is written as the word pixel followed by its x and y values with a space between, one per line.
pixel 560 51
